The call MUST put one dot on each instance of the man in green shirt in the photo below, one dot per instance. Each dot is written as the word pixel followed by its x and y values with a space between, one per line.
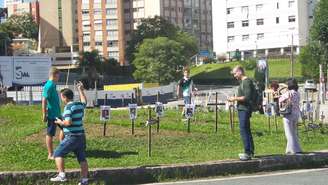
pixel 51 109
pixel 244 107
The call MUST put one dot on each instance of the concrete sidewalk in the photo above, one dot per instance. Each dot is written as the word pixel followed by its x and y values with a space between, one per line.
pixel 149 174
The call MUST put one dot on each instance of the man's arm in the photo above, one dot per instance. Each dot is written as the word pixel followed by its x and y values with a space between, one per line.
pixel 80 88
pixel 44 109
pixel 178 90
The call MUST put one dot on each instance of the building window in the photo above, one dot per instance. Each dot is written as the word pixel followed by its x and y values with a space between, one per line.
pixel 85 1
pixel 85 12
pixel 291 19
pixel 229 10
pixel 97 11
pixel 291 4
pixel 112 43
pixel 230 25
pixel 260 36
pixel 98 33
pixel 277 5
pixel 231 38
pixel 245 37
pixel 244 9
pixel 111 11
pixel 97 1
pixel 110 1
pixel 277 20
pixel 86 43
pixel 245 23
pixel 259 7
pixel 98 43
pixel 259 21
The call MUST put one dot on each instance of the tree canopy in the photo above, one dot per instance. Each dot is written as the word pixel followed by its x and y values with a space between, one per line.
pixel 157 59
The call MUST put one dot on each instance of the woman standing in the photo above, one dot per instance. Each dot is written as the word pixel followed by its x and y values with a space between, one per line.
pixel 290 120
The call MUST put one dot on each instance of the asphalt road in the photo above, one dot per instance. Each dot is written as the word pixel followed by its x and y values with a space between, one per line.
pixel 298 177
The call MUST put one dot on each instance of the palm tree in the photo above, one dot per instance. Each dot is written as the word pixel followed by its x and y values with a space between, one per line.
pixel 90 61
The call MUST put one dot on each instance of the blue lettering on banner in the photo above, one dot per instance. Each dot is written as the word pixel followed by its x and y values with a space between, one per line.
pixel 21 74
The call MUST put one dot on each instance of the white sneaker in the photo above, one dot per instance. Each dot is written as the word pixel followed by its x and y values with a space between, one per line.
pixel 245 157
pixel 58 179
pixel 85 183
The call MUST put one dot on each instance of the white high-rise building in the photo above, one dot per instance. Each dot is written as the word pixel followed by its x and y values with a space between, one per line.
pixel 267 27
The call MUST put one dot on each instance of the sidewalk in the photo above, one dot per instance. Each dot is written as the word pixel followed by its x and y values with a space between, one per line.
pixel 149 174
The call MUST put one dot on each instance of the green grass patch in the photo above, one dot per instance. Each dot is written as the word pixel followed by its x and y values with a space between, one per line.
pixel 279 69
pixel 22 140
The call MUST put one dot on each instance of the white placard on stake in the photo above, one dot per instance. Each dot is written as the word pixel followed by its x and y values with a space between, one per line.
pixel 133 111
pixel 159 109
pixel 105 113
pixel 190 110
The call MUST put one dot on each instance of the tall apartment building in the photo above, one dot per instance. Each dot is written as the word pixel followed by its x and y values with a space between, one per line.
pixel 58 30
pixel 7 3
pixel 262 27
pixel 106 25
pixel 25 7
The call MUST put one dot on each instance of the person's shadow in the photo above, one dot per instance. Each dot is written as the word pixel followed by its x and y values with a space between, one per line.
pixel 108 154
pixel 104 154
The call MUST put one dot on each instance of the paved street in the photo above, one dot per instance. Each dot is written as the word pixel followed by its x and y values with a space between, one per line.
pixel 298 177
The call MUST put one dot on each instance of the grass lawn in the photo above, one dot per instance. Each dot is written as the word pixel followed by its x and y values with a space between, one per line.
pixel 22 140
pixel 278 69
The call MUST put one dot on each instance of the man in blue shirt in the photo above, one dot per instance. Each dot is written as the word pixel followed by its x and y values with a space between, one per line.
pixel 51 109
pixel 74 140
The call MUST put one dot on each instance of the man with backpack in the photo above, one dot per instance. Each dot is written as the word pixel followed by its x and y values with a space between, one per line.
pixel 244 98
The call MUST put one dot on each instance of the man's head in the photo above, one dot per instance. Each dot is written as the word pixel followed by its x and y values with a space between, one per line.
pixel 54 74
pixel 186 72
pixel 66 95
pixel 238 72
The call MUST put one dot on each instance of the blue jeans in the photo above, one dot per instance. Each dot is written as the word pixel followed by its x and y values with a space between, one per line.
pixel 186 100
pixel 72 143
pixel 245 131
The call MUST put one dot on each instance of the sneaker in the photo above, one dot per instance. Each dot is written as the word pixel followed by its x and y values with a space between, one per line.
pixel 83 183
pixel 245 157
pixel 58 179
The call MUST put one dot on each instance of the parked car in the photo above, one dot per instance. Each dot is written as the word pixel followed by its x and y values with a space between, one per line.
pixel 310 85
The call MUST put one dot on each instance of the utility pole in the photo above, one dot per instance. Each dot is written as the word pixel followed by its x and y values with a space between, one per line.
pixel 292 57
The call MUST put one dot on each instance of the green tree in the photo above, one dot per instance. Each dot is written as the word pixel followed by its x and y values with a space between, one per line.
pixel 111 67
pixel 149 28
pixel 90 62
pixel 159 27
pixel 4 42
pixel 22 25
pixel 316 52
pixel 310 57
pixel 189 43
pixel 156 60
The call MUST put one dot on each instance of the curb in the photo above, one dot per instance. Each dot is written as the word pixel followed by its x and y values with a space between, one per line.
pixel 138 175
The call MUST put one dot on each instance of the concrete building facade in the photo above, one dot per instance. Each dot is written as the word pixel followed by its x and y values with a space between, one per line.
pixel 106 25
pixel 261 27
pixel 58 30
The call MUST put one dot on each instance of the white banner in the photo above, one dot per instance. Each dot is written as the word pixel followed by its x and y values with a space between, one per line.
pixel 31 70
pixel 6 71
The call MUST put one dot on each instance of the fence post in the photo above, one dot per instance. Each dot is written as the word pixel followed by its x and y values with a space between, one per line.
pixel 149 132
pixel 216 112
pixel 158 119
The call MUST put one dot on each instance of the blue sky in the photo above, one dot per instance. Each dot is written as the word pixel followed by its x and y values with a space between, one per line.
pixel 1 3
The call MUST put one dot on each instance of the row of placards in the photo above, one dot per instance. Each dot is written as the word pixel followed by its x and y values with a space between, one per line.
pixel 105 111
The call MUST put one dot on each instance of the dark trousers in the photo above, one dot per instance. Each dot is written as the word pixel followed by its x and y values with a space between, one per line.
pixel 245 131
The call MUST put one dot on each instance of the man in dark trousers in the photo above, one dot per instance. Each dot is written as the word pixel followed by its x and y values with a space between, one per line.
pixel 244 107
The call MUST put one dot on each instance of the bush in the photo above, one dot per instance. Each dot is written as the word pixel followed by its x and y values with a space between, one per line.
pixel 248 64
